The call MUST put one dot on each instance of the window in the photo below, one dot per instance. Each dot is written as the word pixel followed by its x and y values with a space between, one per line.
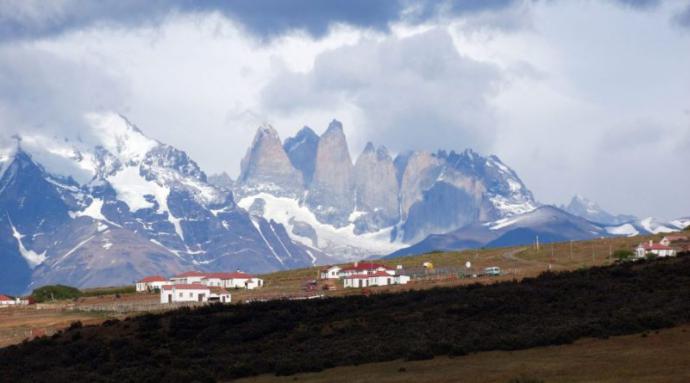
pixel 180 295
pixel 191 295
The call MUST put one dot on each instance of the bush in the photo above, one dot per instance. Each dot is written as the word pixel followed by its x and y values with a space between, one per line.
pixel 55 292
pixel 623 255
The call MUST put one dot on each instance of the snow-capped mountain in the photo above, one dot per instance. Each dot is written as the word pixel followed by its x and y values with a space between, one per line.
pixel 119 205
pixel 621 224
pixel 590 210
pixel 548 223
pixel 377 204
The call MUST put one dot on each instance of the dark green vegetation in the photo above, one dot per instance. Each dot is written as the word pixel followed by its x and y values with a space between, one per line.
pixel 623 255
pixel 55 293
pixel 96 292
pixel 62 292
pixel 224 342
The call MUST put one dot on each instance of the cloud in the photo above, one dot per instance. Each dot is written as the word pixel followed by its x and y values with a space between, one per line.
pixel 683 17
pixel 415 92
pixel 263 18
pixel 41 91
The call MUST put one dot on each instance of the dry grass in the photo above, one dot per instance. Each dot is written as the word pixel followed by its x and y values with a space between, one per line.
pixel 655 358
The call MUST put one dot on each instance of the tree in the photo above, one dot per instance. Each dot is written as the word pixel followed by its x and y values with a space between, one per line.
pixel 623 255
pixel 55 292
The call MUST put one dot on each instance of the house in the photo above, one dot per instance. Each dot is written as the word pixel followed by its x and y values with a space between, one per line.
pixel 331 272
pixel 236 280
pixel 188 278
pixel 379 278
pixel 365 268
pixel 669 239
pixel 194 292
pixel 152 283
pixel 240 280
pixel 654 248
pixel 6 301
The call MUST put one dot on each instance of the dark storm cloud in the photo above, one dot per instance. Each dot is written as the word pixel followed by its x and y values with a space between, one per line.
pixel 263 18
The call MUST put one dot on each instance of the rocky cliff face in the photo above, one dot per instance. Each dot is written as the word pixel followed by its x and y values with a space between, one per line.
pixel 301 149
pixel 380 203
pixel 331 192
pixel 376 190
pixel 266 166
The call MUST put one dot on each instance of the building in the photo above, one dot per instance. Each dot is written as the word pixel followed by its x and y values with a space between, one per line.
pixel 236 280
pixel 331 273
pixel 669 239
pixel 365 268
pixel 152 283
pixel 654 248
pixel 240 280
pixel 188 278
pixel 6 301
pixel 195 292
pixel 379 278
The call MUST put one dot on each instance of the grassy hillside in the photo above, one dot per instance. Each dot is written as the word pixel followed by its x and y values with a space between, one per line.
pixel 516 262
pixel 286 337
pixel 652 357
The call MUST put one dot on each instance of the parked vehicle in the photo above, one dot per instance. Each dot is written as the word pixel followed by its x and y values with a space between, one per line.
pixel 492 271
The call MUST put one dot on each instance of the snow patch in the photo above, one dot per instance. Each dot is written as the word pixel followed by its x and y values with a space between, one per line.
pixel 627 230
pixel 32 258
pixel 335 241
pixel 120 137
pixel 654 227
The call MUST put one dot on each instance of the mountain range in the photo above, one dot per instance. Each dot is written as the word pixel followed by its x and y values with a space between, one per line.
pixel 119 206
pixel 115 205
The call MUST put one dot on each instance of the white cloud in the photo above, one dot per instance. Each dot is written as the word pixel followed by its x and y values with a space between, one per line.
pixel 585 97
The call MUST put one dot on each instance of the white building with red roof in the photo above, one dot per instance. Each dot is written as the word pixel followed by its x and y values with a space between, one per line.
pixel 379 278
pixel 654 248
pixel 194 292
pixel 365 268
pixel 6 301
pixel 152 283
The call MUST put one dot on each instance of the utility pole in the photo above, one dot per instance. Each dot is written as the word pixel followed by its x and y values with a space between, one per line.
pixel 571 249
pixel 537 244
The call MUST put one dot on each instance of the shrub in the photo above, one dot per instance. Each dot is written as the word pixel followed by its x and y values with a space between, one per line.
pixel 55 292
pixel 623 255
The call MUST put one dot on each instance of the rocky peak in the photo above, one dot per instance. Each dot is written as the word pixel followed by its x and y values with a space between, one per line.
pixel 301 149
pixel 376 189
pixel 266 165
pixel 331 191
pixel 420 172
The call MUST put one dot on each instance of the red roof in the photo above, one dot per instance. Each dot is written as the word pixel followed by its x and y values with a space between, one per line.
pixel 365 266
pixel 183 286
pixel 235 275
pixel 655 246
pixel 153 278
pixel 190 274
pixel 4 298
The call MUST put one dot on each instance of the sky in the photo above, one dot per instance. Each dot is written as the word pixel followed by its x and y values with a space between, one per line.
pixel 578 96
